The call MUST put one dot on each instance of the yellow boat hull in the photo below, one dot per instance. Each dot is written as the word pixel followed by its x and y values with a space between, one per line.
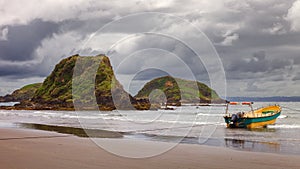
pixel 261 124
pixel 255 119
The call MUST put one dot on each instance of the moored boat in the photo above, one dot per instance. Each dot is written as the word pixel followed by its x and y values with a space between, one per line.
pixel 252 119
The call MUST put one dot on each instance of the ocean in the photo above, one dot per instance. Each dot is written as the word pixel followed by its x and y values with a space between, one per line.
pixel 186 124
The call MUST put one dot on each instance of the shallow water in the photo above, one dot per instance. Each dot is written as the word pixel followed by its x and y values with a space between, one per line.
pixel 8 103
pixel 187 124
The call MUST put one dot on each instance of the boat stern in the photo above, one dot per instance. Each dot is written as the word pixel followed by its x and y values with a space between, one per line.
pixel 234 123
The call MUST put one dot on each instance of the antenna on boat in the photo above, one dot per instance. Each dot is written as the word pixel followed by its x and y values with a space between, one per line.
pixel 252 108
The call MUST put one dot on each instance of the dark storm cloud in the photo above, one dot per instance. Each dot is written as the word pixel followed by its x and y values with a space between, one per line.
pixel 170 54
pixel 251 86
pixel 297 60
pixel 14 71
pixel 254 39
pixel 297 77
pixel 278 78
pixel 23 40
pixel 150 74
pixel 258 63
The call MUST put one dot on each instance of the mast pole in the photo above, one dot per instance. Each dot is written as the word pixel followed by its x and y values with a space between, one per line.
pixel 226 112
pixel 252 108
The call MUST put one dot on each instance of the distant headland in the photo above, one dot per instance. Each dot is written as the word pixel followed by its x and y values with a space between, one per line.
pixel 267 99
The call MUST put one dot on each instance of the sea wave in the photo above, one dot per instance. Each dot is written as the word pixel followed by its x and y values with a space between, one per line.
pixel 285 126
pixel 282 116
pixel 210 114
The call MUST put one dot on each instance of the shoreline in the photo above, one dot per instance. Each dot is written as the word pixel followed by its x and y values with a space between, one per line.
pixel 18 106
pixel 23 148
pixel 266 140
pixel 228 143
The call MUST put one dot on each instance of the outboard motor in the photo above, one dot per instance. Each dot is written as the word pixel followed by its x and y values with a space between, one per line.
pixel 234 118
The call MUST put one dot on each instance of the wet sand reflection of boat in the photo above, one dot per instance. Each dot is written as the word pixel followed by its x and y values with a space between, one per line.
pixel 253 119
pixel 252 145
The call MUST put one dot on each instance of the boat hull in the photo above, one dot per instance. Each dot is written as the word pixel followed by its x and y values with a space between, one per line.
pixel 254 122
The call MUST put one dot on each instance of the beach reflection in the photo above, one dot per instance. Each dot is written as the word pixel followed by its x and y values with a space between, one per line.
pixel 96 133
pixel 265 129
pixel 252 145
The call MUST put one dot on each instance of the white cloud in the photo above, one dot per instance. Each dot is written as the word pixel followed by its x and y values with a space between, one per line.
pixel 294 16
pixel 276 29
pixel 53 49
pixel 229 39
pixel 3 34
pixel 18 12
pixel 157 3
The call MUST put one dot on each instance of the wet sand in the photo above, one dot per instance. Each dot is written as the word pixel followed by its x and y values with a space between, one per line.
pixel 24 148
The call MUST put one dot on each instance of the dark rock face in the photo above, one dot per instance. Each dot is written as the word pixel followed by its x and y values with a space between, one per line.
pixel 7 98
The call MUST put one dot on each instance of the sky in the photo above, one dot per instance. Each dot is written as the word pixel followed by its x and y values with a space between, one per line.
pixel 254 43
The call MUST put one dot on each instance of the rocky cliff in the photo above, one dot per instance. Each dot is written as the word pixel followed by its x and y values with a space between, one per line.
pixel 56 91
pixel 67 85
pixel 176 91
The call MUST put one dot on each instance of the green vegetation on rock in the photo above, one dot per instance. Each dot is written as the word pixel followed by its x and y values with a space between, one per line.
pixel 57 87
pixel 89 81
pixel 177 91
pixel 93 78
pixel 24 93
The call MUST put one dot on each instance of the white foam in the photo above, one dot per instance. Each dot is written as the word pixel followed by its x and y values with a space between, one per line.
pixel 282 116
pixel 285 126
pixel 210 114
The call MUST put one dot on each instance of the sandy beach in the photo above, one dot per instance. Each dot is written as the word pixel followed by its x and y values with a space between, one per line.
pixel 24 148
